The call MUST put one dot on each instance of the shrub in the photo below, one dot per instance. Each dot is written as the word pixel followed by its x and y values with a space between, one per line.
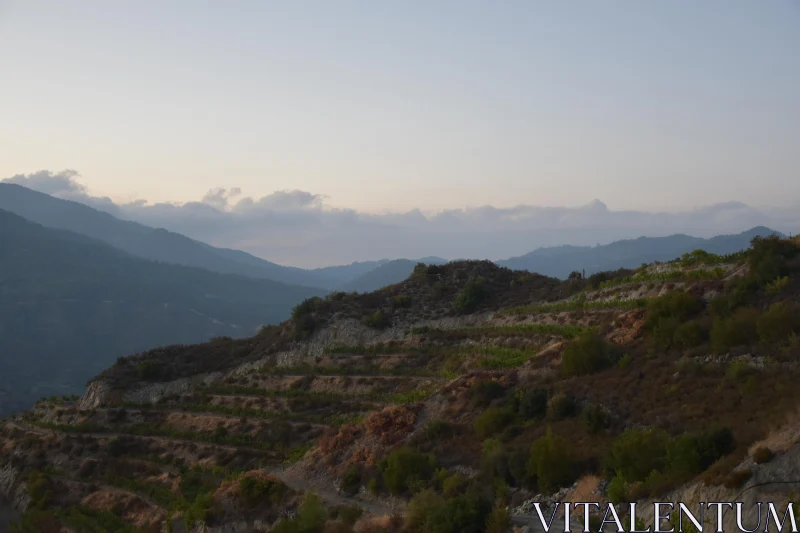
pixel 637 452
pixel 438 290
pixel 587 354
pixel 551 462
pixel 423 510
pixel 669 333
pixel 377 320
pixel 471 296
pixel 736 330
pixel 616 490
pixel 762 455
pixel 768 258
pixel 348 514
pixel 492 421
pixel 454 484
pixel 312 514
pixel 439 429
pixel 676 304
pixel 401 301
pixel 351 480
pixel 595 418
pixel 624 361
pixel 428 512
pixel 483 393
pixel 778 322
pixel 600 277
pixel 406 467
pixel 561 406
pixel 466 513
pixel 253 491
pixel 147 370
pixel 533 403
pixel 688 335
pixel 303 320
pixel 499 520
pixel 777 285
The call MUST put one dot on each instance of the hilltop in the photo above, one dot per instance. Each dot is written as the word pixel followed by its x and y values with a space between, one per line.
pixel 445 403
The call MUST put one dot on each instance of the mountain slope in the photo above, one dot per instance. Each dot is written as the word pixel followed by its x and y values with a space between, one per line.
pixel 479 389
pixel 69 305
pixel 145 242
pixel 561 260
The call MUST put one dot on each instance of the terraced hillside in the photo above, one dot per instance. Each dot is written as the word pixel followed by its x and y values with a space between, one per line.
pixel 445 403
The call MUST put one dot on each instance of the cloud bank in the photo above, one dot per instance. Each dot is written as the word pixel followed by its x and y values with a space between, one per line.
pixel 297 227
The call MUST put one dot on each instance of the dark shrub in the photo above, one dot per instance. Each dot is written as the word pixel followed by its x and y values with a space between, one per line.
pixel 736 330
pixel 533 403
pixel 255 491
pixel 484 392
pixel 768 258
pixel 471 296
pixel 351 480
pixel 377 320
pixel 585 355
pixel 637 452
pixel 595 418
pixel 551 462
pixel 676 304
pixel 779 322
pixel 401 301
pixel 492 421
pixel 405 468
pixel 562 405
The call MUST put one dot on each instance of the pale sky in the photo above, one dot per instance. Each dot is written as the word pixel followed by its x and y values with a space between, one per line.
pixel 395 105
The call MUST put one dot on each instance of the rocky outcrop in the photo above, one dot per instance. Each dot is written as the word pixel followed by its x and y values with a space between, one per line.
pixel 15 491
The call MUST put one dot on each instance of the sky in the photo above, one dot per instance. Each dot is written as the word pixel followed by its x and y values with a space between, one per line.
pixel 391 106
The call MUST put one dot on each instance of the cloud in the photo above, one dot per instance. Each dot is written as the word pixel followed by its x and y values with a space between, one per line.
pixel 298 228
pixel 63 182
pixel 64 185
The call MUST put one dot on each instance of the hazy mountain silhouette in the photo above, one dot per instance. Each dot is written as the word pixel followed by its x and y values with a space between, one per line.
pixel 150 243
pixel 388 273
pixel 70 305
pixel 559 261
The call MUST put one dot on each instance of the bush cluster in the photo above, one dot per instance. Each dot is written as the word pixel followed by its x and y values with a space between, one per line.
pixel 473 294
pixel 377 320
pixel 653 459
pixel 406 469
pixel 551 462
pixel 588 354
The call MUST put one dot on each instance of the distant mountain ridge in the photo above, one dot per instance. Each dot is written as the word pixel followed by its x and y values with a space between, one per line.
pixel 70 305
pixel 148 243
pixel 158 244
pixel 559 261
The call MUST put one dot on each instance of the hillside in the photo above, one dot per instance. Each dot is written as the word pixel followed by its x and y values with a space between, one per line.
pixel 69 306
pixel 149 243
pixel 445 403
pixel 561 260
